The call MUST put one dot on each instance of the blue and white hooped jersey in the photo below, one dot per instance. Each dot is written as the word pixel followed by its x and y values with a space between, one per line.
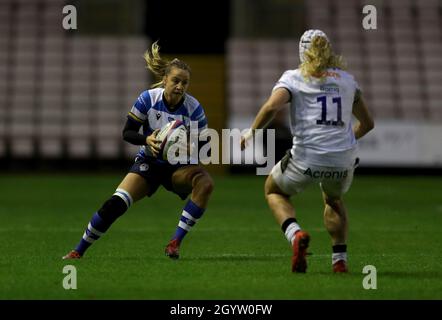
pixel 152 113
pixel 321 116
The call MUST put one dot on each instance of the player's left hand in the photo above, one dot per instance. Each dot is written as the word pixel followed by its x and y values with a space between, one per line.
pixel 153 143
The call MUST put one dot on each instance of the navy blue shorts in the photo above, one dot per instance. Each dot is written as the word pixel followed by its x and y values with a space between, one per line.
pixel 157 175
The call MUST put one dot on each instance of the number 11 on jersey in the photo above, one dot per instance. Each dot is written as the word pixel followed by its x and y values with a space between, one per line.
pixel 323 120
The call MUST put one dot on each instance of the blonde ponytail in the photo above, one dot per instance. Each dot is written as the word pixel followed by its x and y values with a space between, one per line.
pixel 156 64
pixel 159 66
pixel 319 57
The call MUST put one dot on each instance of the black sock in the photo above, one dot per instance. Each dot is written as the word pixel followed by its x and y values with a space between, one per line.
pixel 339 248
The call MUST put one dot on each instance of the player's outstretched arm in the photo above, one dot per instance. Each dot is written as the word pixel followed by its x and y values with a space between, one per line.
pixel 268 111
pixel 363 115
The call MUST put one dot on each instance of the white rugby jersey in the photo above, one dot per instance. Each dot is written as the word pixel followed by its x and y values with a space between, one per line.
pixel 151 111
pixel 320 117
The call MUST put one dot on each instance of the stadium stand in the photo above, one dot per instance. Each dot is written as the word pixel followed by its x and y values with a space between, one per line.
pixel 61 94
pixel 398 65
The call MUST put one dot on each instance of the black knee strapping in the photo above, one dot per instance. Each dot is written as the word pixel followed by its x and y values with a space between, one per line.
pixel 112 209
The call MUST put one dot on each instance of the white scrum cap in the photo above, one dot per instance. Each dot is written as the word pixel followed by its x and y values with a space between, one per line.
pixel 306 40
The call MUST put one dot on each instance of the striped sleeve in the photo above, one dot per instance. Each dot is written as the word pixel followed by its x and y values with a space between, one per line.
pixel 199 116
pixel 140 108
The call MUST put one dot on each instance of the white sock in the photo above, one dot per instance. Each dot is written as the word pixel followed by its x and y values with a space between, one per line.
pixel 339 256
pixel 291 230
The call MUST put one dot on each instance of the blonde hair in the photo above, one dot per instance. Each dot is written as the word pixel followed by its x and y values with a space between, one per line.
pixel 159 66
pixel 319 57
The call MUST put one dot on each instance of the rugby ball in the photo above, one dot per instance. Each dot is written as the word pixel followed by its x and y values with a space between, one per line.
pixel 174 132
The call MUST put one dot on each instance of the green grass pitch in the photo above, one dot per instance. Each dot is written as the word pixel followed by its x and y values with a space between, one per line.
pixel 236 251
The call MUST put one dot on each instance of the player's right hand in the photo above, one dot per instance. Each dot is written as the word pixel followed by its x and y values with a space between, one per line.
pixel 153 143
pixel 245 139
pixel 243 143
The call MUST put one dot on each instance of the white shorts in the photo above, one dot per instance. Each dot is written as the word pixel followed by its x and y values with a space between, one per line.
pixel 293 178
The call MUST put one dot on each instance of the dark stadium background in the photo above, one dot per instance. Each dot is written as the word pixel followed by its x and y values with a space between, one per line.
pixel 65 93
